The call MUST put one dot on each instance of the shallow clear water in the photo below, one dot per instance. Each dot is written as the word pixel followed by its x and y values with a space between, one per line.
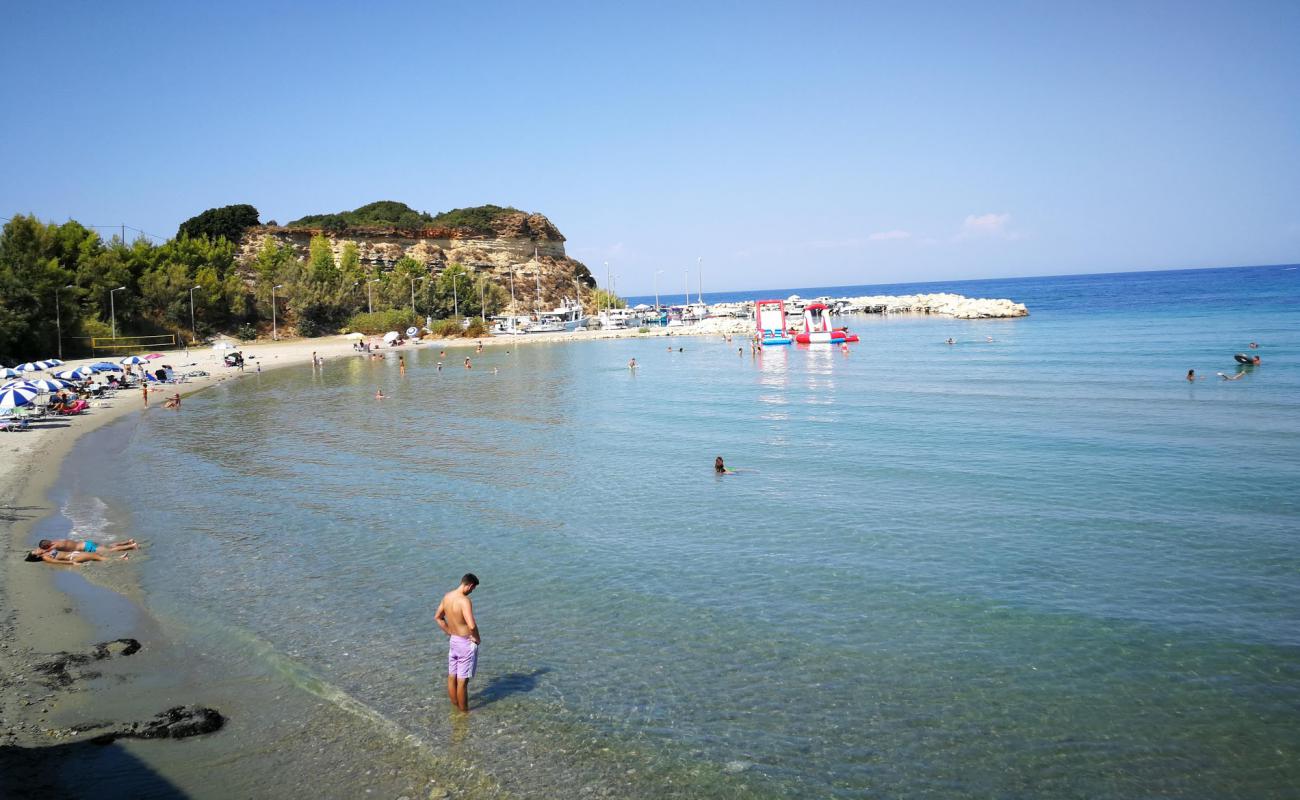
pixel 1044 565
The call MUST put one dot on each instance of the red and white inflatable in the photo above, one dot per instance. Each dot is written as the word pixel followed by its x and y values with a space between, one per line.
pixel 817 327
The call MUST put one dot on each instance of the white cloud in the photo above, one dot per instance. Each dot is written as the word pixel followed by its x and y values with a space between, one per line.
pixel 987 226
pixel 883 236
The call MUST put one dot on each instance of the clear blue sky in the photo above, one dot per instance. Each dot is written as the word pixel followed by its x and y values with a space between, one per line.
pixel 784 143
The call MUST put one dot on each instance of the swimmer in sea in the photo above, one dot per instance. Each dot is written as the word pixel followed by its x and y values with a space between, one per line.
pixel 631 364
pixel 951 341
pixel 1236 377
pixel 379 395
pixel 1254 345
pixel 721 468
pixel 467 364
pixel 1191 375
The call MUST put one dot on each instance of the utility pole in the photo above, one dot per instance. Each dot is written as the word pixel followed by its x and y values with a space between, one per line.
pixel 194 335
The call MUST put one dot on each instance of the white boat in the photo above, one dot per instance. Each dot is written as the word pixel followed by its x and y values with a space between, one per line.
pixel 568 314
pixel 548 324
pixel 510 325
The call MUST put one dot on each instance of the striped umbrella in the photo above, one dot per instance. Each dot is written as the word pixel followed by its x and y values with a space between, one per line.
pixel 78 374
pixel 14 396
pixel 42 384
pixel 106 366
pixel 9 372
pixel 134 360
pixel 54 362
pixel 31 366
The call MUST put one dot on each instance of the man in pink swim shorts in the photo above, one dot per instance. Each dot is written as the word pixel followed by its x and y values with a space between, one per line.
pixel 455 615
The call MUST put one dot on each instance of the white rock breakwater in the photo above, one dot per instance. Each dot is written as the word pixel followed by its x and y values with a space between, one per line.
pixel 952 305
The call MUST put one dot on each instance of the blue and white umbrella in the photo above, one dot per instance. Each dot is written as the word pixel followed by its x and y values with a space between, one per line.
pixel 78 374
pixel 135 360
pixel 9 372
pixel 42 384
pixel 31 366
pixel 14 396
pixel 106 366
pixel 54 362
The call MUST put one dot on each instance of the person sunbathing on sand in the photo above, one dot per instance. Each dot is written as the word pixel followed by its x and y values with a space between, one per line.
pixel 66 558
pixel 84 546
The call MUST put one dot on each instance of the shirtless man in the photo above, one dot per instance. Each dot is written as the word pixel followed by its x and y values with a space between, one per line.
pixel 84 546
pixel 455 615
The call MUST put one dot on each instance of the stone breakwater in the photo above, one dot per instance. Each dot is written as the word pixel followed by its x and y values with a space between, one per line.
pixel 947 304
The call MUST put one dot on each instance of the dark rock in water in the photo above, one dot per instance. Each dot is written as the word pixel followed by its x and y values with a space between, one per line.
pixel 179 722
pixel 57 667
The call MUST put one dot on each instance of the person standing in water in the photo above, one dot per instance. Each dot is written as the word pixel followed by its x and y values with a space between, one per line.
pixel 455 615
pixel 401 364
pixel 721 468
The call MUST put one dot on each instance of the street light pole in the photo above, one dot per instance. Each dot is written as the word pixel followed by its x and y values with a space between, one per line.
pixel 112 309
pixel 194 335
pixel 275 331
pixel 699 266
pixel 58 323
pixel 370 300
pixel 658 272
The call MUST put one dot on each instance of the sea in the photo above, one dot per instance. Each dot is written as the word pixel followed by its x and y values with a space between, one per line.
pixel 1037 562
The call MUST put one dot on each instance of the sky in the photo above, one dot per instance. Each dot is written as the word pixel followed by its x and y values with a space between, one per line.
pixel 771 143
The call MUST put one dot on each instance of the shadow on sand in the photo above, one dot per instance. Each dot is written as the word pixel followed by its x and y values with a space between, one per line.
pixel 79 769
pixel 502 686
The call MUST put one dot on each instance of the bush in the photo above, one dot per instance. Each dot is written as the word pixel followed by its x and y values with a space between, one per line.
pixel 475 328
pixel 246 332
pixel 643 329
pixel 394 319
pixel 447 329
pixel 311 327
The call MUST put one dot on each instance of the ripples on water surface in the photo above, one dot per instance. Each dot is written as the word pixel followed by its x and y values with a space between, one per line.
pixel 1041 566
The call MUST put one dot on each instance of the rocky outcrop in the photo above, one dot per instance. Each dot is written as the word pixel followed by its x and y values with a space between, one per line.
pixel 526 245
pixel 947 304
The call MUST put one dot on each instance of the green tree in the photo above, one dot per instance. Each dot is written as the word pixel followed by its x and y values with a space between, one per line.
pixel 227 222
pixel 455 290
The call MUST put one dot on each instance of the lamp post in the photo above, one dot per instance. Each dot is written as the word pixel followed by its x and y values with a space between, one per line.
pixel 658 272
pixel 699 268
pixel 607 287
pixel 194 335
pixel 686 274
pixel 112 309
pixel 413 280
pixel 275 331
pixel 370 300
pixel 58 324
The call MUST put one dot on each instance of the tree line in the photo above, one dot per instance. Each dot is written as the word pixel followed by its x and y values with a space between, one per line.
pixel 63 283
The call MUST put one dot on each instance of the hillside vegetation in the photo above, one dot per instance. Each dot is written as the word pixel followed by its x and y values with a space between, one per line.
pixel 392 214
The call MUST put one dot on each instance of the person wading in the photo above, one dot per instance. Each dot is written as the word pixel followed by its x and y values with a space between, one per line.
pixel 455 615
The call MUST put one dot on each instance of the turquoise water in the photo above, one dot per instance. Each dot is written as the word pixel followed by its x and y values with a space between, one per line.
pixel 1044 565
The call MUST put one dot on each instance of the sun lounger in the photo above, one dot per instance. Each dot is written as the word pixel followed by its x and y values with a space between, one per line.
pixel 11 422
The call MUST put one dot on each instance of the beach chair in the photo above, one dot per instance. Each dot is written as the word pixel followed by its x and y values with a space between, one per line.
pixel 12 422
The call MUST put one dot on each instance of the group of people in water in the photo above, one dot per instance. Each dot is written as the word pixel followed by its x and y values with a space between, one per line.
pixel 1241 358
pixel 73 552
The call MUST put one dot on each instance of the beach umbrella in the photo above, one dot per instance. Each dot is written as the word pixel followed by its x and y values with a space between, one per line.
pixel 105 366
pixel 44 384
pixel 354 335
pixel 14 396
pixel 392 336
pixel 9 372
pixel 80 373
pixel 134 360
pixel 54 362
pixel 31 366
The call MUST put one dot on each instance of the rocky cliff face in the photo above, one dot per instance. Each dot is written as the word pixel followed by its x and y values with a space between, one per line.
pixel 528 245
